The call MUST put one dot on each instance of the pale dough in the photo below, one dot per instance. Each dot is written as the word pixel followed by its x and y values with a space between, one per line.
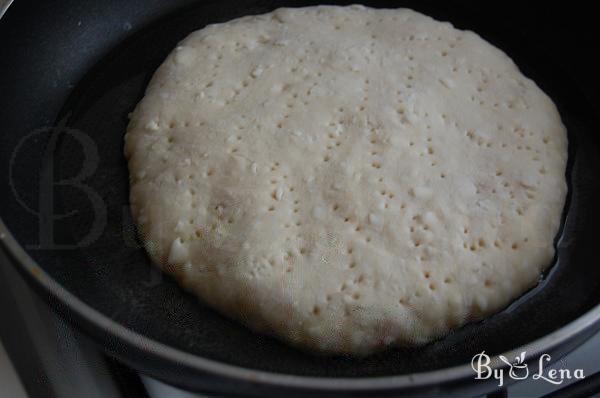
pixel 347 178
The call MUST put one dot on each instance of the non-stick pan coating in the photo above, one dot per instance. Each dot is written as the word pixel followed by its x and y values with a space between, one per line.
pixel 83 68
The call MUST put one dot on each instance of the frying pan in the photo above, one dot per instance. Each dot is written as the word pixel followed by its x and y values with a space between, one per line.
pixel 71 70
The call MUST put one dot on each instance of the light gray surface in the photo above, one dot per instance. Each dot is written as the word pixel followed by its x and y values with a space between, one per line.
pixel 4 4
pixel 52 360
pixel 156 389
pixel 10 384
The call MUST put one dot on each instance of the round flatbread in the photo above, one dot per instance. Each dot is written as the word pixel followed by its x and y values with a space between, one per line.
pixel 347 178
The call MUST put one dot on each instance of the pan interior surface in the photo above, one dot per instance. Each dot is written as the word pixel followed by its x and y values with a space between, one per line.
pixel 93 251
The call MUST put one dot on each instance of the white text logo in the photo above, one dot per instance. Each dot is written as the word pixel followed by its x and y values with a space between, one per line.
pixel 519 370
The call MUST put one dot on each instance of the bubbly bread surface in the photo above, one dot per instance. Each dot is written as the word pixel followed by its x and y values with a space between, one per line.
pixel 347 178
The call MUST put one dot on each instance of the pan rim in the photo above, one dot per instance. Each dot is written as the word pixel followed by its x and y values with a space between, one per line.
pixel 4 6
pixel 588 322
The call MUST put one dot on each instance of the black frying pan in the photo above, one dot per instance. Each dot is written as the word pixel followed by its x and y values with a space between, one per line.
pixel 71 70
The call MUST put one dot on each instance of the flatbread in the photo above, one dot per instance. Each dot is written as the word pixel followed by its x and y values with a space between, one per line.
pixel 347 178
